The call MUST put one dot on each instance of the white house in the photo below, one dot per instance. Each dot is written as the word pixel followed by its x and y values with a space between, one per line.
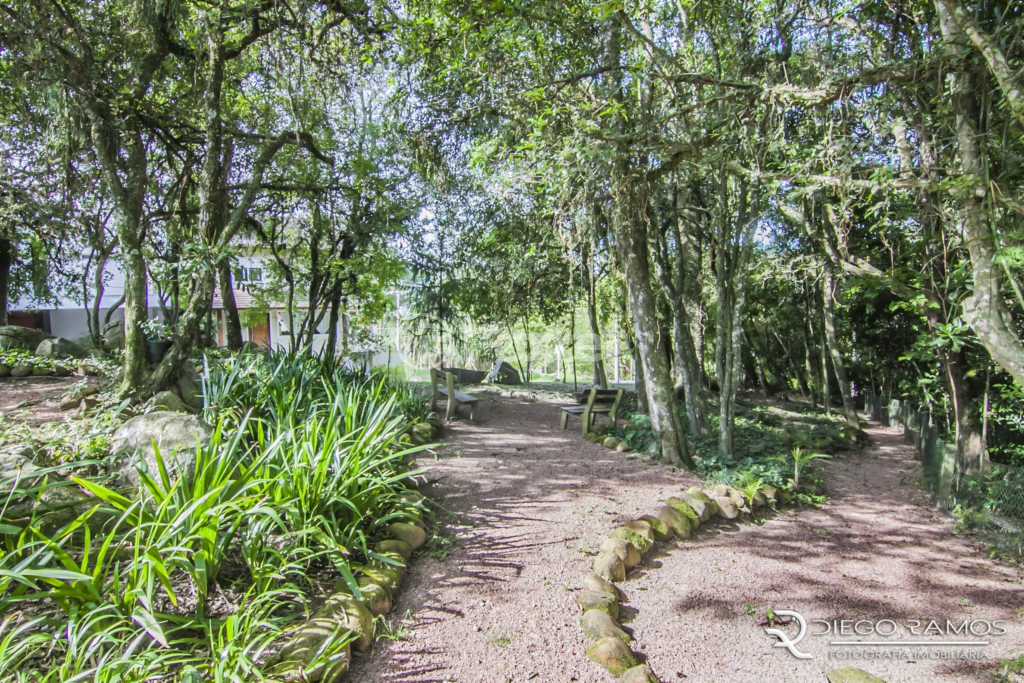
pixel 67 318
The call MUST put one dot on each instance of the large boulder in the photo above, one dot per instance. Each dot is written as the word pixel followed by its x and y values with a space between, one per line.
pixel 58 347
pixel 175 434
pixel 503 373
pixel 467 376
pixel 18 338
pixel 113 334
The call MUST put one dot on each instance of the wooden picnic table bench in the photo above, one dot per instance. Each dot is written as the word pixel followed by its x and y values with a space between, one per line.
pixel 599 402
pixel 442 386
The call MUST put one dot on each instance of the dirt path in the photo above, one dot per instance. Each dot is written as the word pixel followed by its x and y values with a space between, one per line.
pixel 33 400
pixel 531 503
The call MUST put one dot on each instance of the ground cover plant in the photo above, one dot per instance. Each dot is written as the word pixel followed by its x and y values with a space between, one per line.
pixel 201 571
pixel 776 443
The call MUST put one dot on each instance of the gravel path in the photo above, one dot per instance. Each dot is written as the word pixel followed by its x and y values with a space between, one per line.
pixel 530 503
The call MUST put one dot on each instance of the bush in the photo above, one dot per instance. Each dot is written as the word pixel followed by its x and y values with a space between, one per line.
pixel 197 575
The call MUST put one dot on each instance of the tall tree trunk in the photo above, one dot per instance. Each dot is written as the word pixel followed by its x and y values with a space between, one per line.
pixel 688 371
pixel 642 404
pixel 6 261
pixel 136 305
pixel 631 238
pixel 332 321
pixel 828 309
pixel 809 369
pixel 232 322
pixel 600 376
pixel 985 309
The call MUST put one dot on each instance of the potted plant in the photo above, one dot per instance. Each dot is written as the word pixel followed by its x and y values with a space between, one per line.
pixel 158 341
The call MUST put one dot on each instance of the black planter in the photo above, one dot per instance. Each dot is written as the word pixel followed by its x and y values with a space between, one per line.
pixel 156 349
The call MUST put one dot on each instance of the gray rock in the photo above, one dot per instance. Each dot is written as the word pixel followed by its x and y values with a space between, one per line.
pixel 16 461
pixel 58 347
pixel 190 392
pixel 43 372
pixel 658 528
pixel 726 508
pixel 503 373
pixel 21 371
pixel 17 338
pixel 70 402
pixel 4 371
pixel 175 434
pixel 852 676
pixel 640 540
pixel 113 333
pixel 167 400
pixel 467 376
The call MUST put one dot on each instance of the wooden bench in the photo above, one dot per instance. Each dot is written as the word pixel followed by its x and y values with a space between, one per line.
pixel 599 402
pixel 442 386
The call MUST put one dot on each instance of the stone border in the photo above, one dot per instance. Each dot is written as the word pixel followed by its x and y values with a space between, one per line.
pixel 679 518
pixel 378 585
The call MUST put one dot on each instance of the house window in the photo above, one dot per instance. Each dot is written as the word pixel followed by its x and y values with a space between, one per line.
pixel 243 274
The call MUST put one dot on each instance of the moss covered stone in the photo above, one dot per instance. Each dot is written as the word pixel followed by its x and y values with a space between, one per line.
pixel 678 523
pixel 610 567
pixel 594 582
pixel 410 534
pixel 393 545
pixel 604 602
pixel 597 624
pixel 658 528
pixel 634 538
pixel 639 674
pixel 612 654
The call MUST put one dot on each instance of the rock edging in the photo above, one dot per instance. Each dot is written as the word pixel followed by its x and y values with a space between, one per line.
pixel 348 619
pixel 679 518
